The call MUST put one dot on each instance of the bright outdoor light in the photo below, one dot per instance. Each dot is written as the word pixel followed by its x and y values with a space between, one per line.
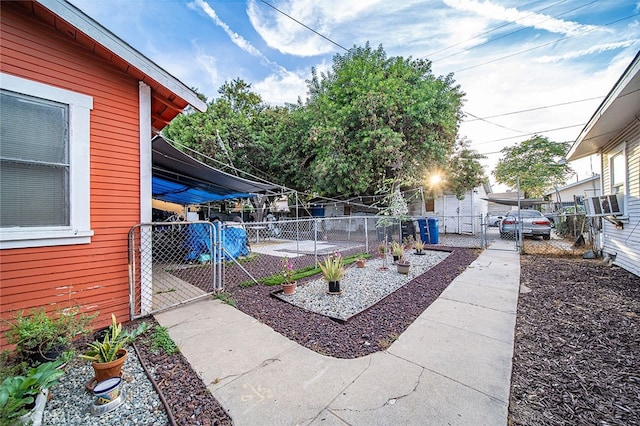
pixel 436 179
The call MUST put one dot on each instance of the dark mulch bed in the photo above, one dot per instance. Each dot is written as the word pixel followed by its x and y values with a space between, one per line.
pixel 373 330
pixel 189 400
pixel 370 331
pixel 577 350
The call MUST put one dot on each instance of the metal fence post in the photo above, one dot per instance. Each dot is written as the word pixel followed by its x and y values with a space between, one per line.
pixel 366 234
pixel 315 239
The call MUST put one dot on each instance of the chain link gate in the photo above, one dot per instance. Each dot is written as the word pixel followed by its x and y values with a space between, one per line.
pixel 171 263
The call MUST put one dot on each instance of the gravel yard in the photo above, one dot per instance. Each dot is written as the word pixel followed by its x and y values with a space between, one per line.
pixel 576 353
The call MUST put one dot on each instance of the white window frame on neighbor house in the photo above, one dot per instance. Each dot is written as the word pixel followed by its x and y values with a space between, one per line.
pixel 618 175
pixel 79 229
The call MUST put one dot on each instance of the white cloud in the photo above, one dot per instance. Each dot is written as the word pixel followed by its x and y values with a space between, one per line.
pixel 287 36
pixel 572 54
pixel 236 38
pixel 281 88
pixel 526 19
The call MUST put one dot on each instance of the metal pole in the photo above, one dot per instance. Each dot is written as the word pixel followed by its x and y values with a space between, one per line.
pixel 366 235
pixel 519 226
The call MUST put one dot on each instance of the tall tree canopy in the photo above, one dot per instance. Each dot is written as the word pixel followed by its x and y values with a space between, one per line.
pixel 370 120
pixel 375 118
pixel 536 162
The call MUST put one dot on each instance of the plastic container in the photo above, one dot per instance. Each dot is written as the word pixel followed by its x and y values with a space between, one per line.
pixel 433 230
pixel 424 232
pixel 107 390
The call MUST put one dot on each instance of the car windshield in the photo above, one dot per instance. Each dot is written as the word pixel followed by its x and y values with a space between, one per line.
pixel 526 213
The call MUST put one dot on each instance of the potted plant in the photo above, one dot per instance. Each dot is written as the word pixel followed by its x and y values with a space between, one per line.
pixel 333 271
pixel 419 247
pixel 40 337
pixel 361 262
pixel 382 250
pixel 403 265
pixel 408 242
pixel 288 285
pixel 396 250
pixel 19 394
pixel 109 355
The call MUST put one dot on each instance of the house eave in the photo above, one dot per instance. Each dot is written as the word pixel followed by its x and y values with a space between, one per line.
pixel 614 114
pixel 140 63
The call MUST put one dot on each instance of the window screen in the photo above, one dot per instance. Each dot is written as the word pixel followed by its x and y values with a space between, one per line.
pixel 34 155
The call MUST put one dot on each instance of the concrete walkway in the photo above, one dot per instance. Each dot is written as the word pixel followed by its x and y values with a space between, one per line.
pixel 452 366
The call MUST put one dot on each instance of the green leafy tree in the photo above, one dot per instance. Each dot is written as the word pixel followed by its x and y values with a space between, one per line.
pixel 536 163
pixel 464 171
pixel 374 118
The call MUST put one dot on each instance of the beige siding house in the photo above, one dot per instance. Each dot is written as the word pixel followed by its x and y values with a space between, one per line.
pixel 614 133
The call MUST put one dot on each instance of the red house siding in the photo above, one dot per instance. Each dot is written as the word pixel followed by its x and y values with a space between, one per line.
pixel 93 275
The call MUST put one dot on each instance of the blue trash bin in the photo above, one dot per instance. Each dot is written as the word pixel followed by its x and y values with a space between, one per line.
pixel 433 230
pixel 424 233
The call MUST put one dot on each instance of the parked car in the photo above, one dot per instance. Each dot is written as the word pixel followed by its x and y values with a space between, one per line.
pixel 533 224
pixel 495 218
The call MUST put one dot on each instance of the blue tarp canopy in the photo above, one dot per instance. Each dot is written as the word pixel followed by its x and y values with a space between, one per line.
pixel 181 193
pixel 180 178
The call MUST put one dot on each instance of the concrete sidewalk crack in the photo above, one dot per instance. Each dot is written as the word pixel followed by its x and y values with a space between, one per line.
pixel 393 400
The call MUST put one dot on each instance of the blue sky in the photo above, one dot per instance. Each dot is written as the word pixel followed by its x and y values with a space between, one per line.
pixel 527 67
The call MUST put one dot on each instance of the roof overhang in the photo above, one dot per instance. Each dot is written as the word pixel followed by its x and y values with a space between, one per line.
pixel 169 96
pixel 523 202
pixel 180 178
pixel 616 112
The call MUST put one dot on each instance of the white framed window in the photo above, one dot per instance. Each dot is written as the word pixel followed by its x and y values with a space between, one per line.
pixel 44 164
pixel 618 173
pixel 617 165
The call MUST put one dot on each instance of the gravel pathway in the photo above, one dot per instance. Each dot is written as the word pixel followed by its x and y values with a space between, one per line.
pixel 361 287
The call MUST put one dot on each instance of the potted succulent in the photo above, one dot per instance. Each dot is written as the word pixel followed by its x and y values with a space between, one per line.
pixel 403 265
pixel 288 285
pixel 109 355
pixel 396 250
pixel 382 250
pixel 419 246
pixel 333 271
pixel 40 337
pixel 408 242
pixel 20 394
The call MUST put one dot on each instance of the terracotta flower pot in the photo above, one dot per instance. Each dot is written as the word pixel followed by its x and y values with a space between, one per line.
pixel 360 263
pixel 106 370
pixel 289 288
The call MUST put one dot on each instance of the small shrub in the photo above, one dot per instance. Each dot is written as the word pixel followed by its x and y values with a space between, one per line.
pixel 161 339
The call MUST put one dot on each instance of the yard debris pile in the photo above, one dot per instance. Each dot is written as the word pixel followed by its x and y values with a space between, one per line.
pixel 577 347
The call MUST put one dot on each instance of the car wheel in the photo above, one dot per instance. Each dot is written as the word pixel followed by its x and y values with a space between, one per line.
pixel 546 237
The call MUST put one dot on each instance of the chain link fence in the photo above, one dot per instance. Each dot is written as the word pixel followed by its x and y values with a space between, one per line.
pixel 571 235
pixel 171 263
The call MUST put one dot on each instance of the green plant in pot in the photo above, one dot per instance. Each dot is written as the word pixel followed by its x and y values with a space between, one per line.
pixel 18 393
pixel 41 337
pixel 109 355
pixel 333 270
pixel 419 246
pixel 403 265
pixel 396 250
